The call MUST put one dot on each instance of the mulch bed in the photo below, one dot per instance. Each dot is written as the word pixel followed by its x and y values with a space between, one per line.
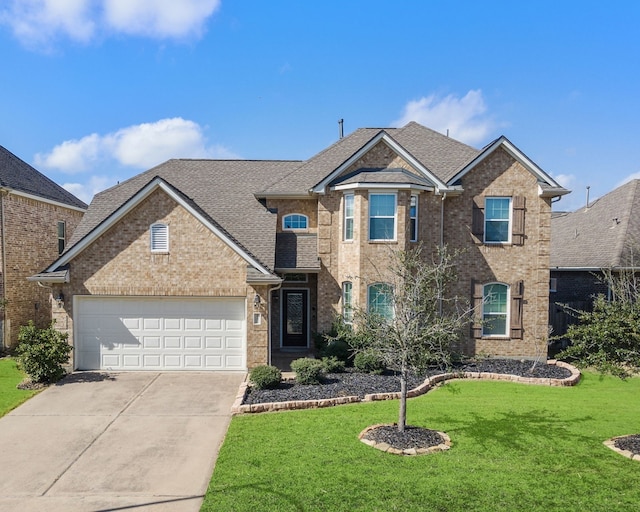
pixel 412 437
pixel 630 443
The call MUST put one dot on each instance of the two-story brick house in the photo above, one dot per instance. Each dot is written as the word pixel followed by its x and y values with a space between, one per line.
pixel 37 217
pixel 210 264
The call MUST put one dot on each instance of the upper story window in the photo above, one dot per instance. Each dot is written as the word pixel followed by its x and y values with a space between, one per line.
pixel 380 300
pixel 348 216
pixel 413 219
pixel 495 300
pixel 62 236
pixel 295 221
pixel 347 302
pixel 497 220
pixel 159 237
pixel 382 216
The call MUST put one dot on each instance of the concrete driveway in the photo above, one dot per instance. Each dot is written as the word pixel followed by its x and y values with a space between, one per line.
pixel 116 441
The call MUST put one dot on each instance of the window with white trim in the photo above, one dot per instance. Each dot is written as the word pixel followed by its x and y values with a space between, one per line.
pixel 382 216
pixel 62 231
pixel 497 220
pixel 159 237
pixel 295 221
pixel 349 201
pixel 413 218
pixel 380 300
pixel 347 302
pixel 495 309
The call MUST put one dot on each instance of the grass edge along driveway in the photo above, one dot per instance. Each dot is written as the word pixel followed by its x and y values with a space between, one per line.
pixel 10 396
pixel 515 447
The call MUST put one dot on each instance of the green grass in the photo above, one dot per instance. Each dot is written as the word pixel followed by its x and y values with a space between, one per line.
pixel 10 377
pixel 515 447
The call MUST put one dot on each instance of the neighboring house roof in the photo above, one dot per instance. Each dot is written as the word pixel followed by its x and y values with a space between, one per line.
pixel 600 235
pixel 19 176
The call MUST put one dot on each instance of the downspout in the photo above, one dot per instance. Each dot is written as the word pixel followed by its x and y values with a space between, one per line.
pixel 274 289
pixel 3 193
pixel 444 196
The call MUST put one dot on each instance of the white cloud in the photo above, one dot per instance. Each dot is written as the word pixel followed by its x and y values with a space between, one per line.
pixel 37 23
pixel 86 191
pixel 159 18
pixel 140 147
pixel 464 118
pixel 566 180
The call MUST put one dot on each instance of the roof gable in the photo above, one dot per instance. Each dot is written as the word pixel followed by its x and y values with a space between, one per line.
pixel 19 176
pixel 385 138
pixel 549 187
pixel 138 198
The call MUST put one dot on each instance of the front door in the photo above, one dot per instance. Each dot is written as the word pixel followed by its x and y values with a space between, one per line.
pixel 295 324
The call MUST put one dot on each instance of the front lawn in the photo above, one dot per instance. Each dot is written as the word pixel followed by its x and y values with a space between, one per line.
pixel 10 377
pixel 515 447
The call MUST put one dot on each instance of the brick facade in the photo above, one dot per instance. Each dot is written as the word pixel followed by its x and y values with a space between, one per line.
pixel 30 244
pixel 198 264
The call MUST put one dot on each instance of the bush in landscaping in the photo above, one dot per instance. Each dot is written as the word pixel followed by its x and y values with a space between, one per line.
pixel 265 377
pixel 333 365
pixel 308 371
pixel 367 362
pixel 334 343
pixel 42 353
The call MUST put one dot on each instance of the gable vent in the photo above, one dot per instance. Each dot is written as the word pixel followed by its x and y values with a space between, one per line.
pixel 159 238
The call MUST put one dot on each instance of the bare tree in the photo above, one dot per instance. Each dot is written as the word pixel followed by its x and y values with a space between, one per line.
pixel 418 323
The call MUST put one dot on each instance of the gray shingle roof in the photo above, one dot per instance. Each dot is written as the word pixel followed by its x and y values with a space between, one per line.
pixel 442 155
pixel 221 189
pixel 598 236
pixel 385 175
pixel 18 175
pixel 297 251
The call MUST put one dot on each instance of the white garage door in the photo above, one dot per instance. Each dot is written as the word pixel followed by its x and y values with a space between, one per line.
pixel 160 334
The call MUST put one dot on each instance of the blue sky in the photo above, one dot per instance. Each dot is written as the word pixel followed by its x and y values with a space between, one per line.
pixel 96 91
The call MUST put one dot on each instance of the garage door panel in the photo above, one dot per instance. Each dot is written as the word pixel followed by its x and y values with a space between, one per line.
pixel 169 334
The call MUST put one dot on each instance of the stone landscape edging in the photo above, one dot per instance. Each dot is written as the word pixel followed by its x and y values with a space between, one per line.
pixel 385 447
pixel 610 443
pixel 429 383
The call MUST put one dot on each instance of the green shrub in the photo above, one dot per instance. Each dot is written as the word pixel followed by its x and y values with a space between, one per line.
pixel 41 353
pixel 265 377
pixel 333 364
pixel 308 371
pixel 367 362
pixel 335 342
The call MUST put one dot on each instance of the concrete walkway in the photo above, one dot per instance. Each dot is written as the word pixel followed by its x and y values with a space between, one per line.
pixel 116 441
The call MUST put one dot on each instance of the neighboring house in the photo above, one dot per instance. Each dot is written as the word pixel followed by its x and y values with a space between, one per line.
pixel 212 264
pixel 36 218
pixel 605 234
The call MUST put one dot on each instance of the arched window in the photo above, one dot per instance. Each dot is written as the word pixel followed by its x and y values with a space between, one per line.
pixel 159 237
pixel 380 300
pixel 495 309
pixel 295 221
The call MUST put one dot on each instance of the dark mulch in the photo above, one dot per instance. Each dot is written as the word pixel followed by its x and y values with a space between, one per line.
pixel 631 443
pixel 352 383
pixel 412 437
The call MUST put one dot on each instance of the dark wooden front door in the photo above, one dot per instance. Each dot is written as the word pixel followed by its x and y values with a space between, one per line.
pixel 295 323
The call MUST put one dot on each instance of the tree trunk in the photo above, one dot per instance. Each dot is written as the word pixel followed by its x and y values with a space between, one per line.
pixel 402 417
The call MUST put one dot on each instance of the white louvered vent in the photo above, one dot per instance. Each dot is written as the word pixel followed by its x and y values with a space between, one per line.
pixel 159 238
